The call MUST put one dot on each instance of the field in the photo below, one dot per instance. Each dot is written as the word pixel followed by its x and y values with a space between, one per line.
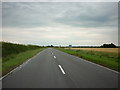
pixel 106 58
pixel 109 50
pixel 15 54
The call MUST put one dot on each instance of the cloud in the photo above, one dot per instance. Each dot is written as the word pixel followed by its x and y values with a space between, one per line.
pixel 56 23
pixel 91 15
pixel 73 14
pixel 60 35
pixel 60 0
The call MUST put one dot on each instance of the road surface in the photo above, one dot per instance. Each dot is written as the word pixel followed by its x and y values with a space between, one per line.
pixel 55 69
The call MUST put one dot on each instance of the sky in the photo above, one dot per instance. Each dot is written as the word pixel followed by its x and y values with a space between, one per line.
pixel 60 23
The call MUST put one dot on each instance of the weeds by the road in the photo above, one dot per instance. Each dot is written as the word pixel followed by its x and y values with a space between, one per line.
pixel 109 60
pixel 15 54
pixel 18 59
pixel 12 48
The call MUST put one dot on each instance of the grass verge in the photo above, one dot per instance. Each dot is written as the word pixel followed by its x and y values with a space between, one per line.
pixel 106 59
pixel 17 59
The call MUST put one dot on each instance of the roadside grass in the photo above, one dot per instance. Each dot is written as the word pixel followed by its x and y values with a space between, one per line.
pixel 0 66
pixel 14 60
pixel 12 48
pixel 106 59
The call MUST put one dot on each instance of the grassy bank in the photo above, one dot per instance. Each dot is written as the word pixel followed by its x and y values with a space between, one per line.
pixel 109 60
pixel 12 48
pixel 17 59
pixel 15 54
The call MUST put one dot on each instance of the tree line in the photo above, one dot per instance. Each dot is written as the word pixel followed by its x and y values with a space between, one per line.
pixel 108 45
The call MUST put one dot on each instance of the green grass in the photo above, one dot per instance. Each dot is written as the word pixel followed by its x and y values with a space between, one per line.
pixel 109 60
pixel 0 67
pixel 14 60
pixel 12 48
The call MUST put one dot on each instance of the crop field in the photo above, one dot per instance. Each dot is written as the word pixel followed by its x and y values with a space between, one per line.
pixel 109 50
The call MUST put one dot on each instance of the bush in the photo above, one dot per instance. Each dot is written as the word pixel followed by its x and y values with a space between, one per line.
pixel 109 46
pixel 10 48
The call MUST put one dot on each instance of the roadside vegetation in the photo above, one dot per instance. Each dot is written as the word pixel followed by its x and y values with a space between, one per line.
pixel 15 54
pixel 108 59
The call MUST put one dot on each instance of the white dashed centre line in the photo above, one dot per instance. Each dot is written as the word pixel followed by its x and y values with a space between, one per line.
pixel 61 69
pixel 54 56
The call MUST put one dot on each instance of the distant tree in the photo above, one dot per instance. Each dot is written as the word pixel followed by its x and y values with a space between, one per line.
pixel 51 46
pixel 109 45
pixel 70 46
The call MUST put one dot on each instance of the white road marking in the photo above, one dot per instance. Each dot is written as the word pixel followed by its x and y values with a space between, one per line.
pixel 61 69
pixel 54 56
pixel 101 66
pixel 8 73
pixel 19 67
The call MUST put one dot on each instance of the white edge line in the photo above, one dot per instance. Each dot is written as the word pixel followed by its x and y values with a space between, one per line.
pixel 99 65
pixel 20 66
pixel 96 64
pixel 61 69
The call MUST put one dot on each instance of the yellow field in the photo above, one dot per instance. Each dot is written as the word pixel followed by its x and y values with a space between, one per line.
pixel 110 50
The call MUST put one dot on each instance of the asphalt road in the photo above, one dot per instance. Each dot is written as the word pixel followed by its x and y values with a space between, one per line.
pixel 55 69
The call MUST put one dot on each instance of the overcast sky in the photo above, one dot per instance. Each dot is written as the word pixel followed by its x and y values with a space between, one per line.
pixel 60 23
